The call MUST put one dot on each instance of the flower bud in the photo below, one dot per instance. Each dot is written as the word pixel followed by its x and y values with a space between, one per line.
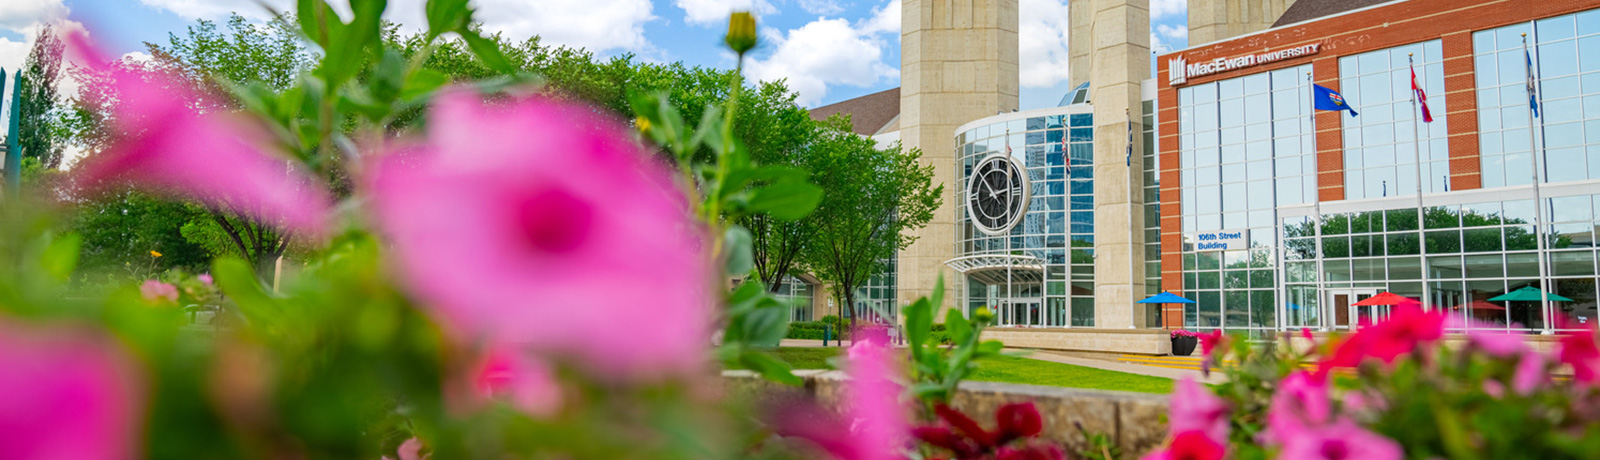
pixel 741 32
pixel 982 315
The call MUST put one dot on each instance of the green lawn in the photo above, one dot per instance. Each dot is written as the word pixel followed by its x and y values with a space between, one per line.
pixel 1013 370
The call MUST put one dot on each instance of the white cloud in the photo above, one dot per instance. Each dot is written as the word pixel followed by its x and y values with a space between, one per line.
pixel 1156 45
pixel 1173 31
pixel 823 53
pixel 1044 53
pixel 714 12
pixel 1163 8
pixel 16 15
pixel 214 9
pixel 885 18
pixel 823 7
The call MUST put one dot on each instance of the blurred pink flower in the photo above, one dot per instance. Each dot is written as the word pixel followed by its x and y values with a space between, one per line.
pixel 541 224
pixel 1195 408
pixel 68 395
pixel 874 424
pixel 205 278
pixel 1407 327
pixel 1491 339
pixel 1530 373
pixel 1301 401
pixel 878 424
pixel 524 382
pixel 1343 440
pixel 1191 445
pixel 1578 349
pixel 167 145
pixel 159 292
pixel 411 449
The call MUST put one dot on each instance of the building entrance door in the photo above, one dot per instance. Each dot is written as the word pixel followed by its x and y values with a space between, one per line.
pixel 1343 312
pixel 1021 312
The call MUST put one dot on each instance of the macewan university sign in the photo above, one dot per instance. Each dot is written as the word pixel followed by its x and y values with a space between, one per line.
pixel 1179 70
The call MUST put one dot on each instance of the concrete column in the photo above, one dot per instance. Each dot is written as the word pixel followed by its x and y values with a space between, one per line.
pixel 958 63
pixel 1212 20
pixel 1121 63
pixel 1080 40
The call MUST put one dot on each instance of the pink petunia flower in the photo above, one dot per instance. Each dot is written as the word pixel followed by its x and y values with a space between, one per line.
pixel 1300 402
pixel 1407 327
pixel 1492 340
pixel 68 395
pixel 158 292
pixel 205 278
pixel 1530 373
pixel 1579 350
pixel 1195 408
pixel 1343 440
pixel 165 144
pixel 540 224
pixel 411 449
pixel 874 424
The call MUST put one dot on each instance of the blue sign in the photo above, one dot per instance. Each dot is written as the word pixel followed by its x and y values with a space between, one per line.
pixel 1220 240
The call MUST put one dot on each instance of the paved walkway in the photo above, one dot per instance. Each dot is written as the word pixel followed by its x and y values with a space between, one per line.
pixel 1044 355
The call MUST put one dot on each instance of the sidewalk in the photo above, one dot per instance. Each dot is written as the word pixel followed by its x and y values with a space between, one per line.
pixel 1045 355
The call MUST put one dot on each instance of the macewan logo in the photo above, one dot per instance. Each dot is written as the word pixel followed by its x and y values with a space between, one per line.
pixel 1179 70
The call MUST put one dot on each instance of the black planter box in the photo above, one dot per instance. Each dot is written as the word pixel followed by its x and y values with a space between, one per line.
pixel 1184 345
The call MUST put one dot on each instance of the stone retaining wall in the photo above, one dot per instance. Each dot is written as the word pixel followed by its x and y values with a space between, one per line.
pixel 1134 421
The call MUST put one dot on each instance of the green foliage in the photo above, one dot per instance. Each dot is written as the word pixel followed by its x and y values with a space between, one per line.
pixel 120 230
pixel 937 369
pixel 41 134
pixel 876 197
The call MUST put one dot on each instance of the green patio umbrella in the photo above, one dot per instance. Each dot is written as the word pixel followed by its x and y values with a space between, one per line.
pixel 1527 294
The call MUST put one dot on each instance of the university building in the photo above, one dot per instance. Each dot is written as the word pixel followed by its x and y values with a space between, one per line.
pixel 1206 171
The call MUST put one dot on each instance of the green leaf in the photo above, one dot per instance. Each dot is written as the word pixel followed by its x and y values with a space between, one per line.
pixel 769 367
pixel 446 15
pixel 60 258
pixel 786 200
pixel 487 51
pixel 740 247
pixel 919 324
pixel 737 179
pixel 238 281
pixel 745 297
pixel 422 82
pixel 960 329
pixel 766 325
pixel 990 347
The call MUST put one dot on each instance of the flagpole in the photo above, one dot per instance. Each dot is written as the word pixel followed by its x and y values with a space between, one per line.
pixel 1316 200
pixel 1128 113
pixel 1416 144
pixel 1011 302
pixel 1538 199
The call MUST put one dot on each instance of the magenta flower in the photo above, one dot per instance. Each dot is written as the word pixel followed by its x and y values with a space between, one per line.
pixel 874 425
pixel 159 292
pixel 205 278
pixel 540 224
pixel 167 145
pixel 1343 440
pixel 526 383
pixel 1195 408
pixel 877 417
pixel 1386 341
pixel 1489 338
pixel 411 449
pixel 1578 349
pixel 1190 445
pixel 1301 401
pixel 68 395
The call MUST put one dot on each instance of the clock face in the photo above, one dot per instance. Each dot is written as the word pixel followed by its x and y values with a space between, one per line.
pixel 997 194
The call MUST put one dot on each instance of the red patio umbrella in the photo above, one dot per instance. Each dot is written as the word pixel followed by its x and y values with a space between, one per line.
pixel 1478 305
pixel 1385 298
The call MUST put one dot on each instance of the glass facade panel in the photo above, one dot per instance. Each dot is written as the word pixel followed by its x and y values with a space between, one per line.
pixel 1566 59
pixel 1382 147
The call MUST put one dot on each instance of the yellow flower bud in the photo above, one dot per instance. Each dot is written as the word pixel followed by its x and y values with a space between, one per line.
pixel 155 254
pixel 982 315
pixel 741 32
pixel 643 124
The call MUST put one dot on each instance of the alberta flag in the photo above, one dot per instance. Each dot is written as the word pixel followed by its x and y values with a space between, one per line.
pixel 1327 99
pixel 1422 98
pixel 1533 86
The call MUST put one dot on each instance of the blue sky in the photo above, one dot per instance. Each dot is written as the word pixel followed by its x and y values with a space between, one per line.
pixel 828 50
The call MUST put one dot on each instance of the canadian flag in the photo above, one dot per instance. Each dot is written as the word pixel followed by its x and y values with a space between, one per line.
pixel 1422 97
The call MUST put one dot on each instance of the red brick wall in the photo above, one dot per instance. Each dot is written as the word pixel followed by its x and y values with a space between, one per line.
pixel 1450 21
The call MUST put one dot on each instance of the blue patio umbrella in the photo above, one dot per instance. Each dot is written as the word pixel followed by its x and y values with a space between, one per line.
pixel 1165 297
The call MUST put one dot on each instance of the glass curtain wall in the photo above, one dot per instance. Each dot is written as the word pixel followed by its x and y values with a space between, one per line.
pixel 1380 148
pixel 1566 54
pixel 1058 228
pixel 1152 215
pixel 1245 147
pixel 798 294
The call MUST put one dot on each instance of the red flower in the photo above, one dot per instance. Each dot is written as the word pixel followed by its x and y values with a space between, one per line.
pixel 1190 445
pixel 1017 421
pixel 965 425
pixel 1210 340
pixel 1030 452
pixel 943 438
pixel 1406 328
